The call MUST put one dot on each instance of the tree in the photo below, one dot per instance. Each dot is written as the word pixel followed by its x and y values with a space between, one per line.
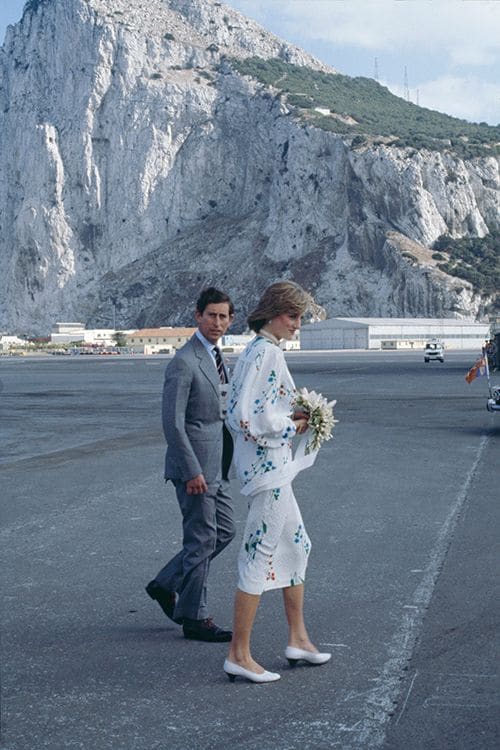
pixel 119 338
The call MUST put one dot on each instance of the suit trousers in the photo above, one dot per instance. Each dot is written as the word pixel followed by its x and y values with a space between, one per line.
pixel 208 527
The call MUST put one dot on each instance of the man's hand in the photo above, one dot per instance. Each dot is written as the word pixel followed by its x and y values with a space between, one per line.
pixel 196 486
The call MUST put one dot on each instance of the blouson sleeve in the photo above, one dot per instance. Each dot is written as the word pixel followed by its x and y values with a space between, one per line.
pixel 265 400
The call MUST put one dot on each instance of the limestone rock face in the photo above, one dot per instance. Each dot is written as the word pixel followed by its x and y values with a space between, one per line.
pixel 138 167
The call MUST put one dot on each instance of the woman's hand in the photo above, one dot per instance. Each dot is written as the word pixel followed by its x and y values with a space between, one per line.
pixel 300 414
pixel 300 419
pixel 300 425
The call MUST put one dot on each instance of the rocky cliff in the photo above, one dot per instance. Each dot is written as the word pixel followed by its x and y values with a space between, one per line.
pixel 138 165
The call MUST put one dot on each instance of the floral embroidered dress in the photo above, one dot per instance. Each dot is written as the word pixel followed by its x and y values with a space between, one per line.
pixel 260 406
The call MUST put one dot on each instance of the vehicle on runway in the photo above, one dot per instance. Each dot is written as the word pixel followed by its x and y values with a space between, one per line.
pixel 493 403
pixel 434 350
pixel 481 368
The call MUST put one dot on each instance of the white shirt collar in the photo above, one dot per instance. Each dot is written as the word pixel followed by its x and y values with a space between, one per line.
pixel 206 343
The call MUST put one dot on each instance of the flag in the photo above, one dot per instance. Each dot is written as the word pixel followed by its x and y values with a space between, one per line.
pixel 478 368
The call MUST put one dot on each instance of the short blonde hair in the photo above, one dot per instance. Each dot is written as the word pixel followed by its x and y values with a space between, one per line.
pixel 282 297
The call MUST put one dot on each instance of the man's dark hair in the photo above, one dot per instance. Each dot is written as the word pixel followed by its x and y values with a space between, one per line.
pixel 213 296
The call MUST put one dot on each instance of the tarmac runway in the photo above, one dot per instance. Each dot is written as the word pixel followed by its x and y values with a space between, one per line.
pixel 402 510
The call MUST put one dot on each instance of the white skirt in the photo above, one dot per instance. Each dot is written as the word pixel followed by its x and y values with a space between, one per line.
pixel 275 545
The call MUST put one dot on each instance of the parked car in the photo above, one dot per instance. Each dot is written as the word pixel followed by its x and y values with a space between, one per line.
pixel 493 403
pixel 434 350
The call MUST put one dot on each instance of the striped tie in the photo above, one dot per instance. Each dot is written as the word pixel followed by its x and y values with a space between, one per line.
pixel 220 366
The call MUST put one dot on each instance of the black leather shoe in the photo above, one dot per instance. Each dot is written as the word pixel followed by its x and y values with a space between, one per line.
pixel 166 599
pixel 205 630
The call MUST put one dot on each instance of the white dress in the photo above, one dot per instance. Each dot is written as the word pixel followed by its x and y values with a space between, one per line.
pixel 260 404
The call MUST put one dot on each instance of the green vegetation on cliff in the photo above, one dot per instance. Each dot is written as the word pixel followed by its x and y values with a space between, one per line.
pixel 369 109
pixel 476 259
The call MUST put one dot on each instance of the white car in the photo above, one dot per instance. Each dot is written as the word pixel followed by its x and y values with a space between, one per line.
pixel 434 350
pixel 493 403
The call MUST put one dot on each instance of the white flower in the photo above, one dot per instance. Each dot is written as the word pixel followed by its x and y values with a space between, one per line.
pixel 321 420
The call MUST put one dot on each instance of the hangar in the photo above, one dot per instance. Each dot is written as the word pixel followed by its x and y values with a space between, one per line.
pixel 393 333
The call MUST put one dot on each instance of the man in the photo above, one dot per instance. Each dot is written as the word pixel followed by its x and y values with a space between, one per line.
pixel 491 352
pixel 198 456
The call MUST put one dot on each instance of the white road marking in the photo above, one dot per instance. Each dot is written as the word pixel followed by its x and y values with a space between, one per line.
pixel 407 697
pixel 380 700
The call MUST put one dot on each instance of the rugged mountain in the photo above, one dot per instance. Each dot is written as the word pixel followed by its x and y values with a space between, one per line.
pixel 139 164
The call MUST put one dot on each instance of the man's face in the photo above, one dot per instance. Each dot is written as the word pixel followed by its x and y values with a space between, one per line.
pixel 214 321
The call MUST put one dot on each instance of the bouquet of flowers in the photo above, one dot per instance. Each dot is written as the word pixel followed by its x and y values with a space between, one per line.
pixel 320 413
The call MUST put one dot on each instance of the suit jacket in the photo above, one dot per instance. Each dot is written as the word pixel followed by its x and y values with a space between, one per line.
pixel 192 416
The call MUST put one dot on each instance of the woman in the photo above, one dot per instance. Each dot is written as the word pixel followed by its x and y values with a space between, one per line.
pixel 275 544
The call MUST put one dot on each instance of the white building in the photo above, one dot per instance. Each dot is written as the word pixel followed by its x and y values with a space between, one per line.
pixel 99 336
pixel 6 342
pixel 235 342
pixel 392 333
pixel 293 344
pixel 66 333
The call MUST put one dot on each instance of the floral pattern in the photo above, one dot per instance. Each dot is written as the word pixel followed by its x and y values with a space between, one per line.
pixel 275 551
pixel 254 539
pixel 260 407
pixel 261 399
pixel 260 466
pixel 296 580
pixel 270 572
pixel 302 538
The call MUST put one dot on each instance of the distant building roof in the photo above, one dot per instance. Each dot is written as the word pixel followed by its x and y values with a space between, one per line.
pixel 415 321
pixel 73 325
pixel 397 322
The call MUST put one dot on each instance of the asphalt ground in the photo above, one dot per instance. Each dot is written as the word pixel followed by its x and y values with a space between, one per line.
pixel 402 509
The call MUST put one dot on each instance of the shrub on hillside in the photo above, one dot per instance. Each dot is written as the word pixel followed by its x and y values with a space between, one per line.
pixel 374 108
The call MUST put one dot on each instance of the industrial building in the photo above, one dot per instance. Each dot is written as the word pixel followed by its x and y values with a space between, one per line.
pixel 164 340
pixel 393 333
pixel 72 333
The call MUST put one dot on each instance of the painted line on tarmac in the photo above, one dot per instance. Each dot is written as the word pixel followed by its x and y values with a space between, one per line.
pixel 381 700
pixel 407 696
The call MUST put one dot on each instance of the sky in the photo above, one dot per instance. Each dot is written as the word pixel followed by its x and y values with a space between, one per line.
pixel 449 48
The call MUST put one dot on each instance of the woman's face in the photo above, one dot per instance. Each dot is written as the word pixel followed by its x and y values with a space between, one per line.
pixel 284 326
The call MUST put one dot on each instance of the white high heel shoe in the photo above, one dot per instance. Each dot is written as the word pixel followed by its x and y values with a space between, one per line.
pixel 296 654
pixel 234 670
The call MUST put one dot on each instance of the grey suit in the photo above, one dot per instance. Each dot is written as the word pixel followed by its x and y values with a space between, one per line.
pixel 193 427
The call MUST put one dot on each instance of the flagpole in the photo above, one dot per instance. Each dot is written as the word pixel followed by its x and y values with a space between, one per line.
pixel 488 375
